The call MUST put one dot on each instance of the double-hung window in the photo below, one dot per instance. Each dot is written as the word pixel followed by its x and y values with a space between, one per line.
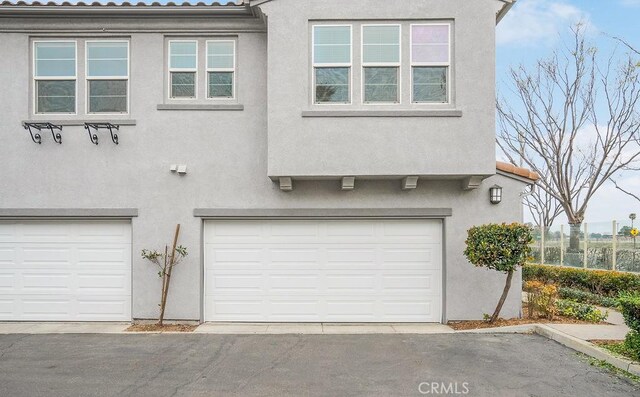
pixel 332 64
pixel 183 68
pixel 55 76
pixel 107 76
pixel 221 65
pixel 381 63
pixel 430 62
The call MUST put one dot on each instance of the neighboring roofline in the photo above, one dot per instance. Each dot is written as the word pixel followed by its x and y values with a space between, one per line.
pixel 126 9
pixel 522 174
pixel 508 4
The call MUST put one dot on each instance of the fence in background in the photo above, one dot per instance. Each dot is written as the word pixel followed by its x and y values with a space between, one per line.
pixel 597 245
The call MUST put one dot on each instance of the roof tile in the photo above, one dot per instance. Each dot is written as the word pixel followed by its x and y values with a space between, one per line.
pixel 22 3
pixel 519 171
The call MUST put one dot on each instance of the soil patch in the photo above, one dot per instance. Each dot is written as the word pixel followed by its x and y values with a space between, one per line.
pixel 501 322
pixel 164 328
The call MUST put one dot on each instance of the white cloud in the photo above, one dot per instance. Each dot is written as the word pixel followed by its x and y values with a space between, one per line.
pixel 534 22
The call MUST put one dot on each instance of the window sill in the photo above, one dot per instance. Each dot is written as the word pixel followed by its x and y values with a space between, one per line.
pixel 78 122
pixel 382 113
pixel 201 107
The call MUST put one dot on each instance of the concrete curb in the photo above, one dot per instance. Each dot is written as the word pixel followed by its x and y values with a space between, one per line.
pixel 587 348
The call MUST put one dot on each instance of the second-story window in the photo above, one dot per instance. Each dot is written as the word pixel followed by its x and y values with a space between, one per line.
pixel 430 62
pixel 381 63
pixel 332 64
pixel 221 65
pixel 107 76
pixel 183 67
pixel 55 76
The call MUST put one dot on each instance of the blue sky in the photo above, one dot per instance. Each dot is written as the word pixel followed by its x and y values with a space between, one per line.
pixel 533 28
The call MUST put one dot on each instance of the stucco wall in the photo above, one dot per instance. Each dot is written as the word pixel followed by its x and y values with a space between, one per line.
pixel 309 146
pixel 229 153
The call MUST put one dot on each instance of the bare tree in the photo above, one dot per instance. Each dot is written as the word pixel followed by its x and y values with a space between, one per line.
pixel 543 207
pixel 575 122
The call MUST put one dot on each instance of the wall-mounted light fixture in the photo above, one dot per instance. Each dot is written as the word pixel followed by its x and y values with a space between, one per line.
pixel 495 194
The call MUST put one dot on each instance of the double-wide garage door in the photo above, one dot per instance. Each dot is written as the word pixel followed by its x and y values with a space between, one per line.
pixel 323 271
pixel 65 271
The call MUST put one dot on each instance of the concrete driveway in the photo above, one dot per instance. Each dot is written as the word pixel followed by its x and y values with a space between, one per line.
pixel 298 365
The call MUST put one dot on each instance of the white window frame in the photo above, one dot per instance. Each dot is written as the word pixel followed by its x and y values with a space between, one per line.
pixel 449 26
pixel 178 70
pixel 397 65
pixel 227 70
pixel 331 65
pixel 36 79
pixel 88 79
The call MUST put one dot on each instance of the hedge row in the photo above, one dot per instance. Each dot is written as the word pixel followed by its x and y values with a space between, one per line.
pixel 600 282
pixel 586 297
pixel 630 305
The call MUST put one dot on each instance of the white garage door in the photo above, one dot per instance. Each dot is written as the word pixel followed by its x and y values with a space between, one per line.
pixel 323 271
pixel 65 271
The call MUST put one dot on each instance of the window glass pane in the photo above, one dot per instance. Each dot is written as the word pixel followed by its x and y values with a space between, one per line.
pixel 430 43
pixel 107 59
pixel 220 85
pixel 55 59
pixel 108 96
pixel 381 44
pixel 55 96
pixel 332 85
pixel 332 44
pixel 183 85
pixel 381 84
pixel 220 55
pixel 182 55
pixel 430 84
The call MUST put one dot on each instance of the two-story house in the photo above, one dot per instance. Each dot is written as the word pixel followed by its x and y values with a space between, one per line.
pixel 324 159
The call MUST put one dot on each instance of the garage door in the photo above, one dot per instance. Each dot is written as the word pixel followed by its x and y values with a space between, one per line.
pixel 323 271
pixel 62 271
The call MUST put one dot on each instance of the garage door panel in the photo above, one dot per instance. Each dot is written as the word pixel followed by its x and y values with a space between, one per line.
pixel 7 307
pixel 323 270
pixel 301 255
pixel 103 283
pixel 46 282
pixel 100 307
pixel 8 281
pixel 341 256
pixel 234 255
pixel 66 271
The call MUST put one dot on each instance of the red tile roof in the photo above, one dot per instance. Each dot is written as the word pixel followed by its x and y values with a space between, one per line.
pixel 21 3
pixel 519 171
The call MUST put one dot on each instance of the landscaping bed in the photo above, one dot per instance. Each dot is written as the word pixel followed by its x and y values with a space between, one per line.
pixel 164 328
pixel 480 324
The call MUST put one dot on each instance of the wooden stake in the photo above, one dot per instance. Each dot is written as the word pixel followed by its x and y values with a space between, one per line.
pixel 168 275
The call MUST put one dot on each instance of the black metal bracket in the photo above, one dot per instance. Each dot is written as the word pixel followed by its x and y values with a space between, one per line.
pixel 104 126
pixel 37 138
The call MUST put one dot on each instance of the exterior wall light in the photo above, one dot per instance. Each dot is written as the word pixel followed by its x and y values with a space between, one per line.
pixel 495 194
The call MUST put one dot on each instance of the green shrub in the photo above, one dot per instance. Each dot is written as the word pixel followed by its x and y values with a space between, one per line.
pixel 541 298
pixel 632 345
pixel 580 311
pixel 503 247
pixel 600 282
pixel 579 295
pixel 630 307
